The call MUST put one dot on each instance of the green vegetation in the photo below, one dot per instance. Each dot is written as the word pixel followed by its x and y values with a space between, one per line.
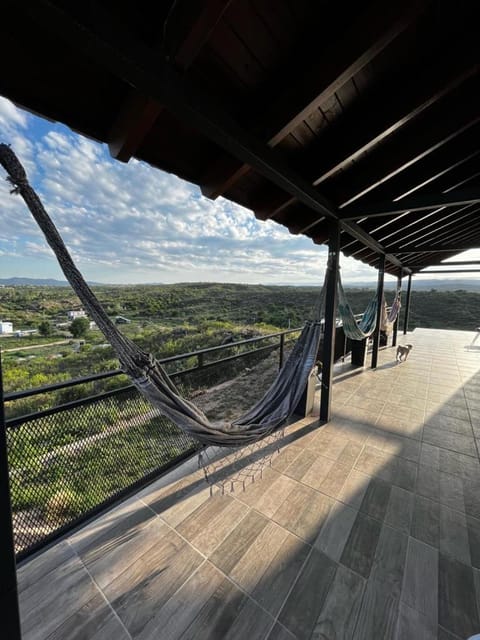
pixel 93 442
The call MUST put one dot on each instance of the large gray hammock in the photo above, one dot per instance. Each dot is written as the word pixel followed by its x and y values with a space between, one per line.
pixel 148 375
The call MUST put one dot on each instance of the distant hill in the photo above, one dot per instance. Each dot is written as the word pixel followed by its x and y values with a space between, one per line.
pixel 35 282
pixel 419 284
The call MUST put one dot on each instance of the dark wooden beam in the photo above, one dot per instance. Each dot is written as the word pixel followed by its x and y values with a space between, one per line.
pixel 407 306
pixel 376 335
pixel 136 117
pixel 453 263
pixel 372 32
pixel 399 250
pixel 417 202
pixel 328 352
pixel 395 326
pixel 187 30
pixel 451 271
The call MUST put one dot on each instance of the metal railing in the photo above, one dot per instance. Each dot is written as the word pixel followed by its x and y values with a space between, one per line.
pixel 72 459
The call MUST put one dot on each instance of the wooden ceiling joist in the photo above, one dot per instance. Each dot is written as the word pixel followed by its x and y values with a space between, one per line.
pixel 375 30
pixel 188 32
pixel 417 202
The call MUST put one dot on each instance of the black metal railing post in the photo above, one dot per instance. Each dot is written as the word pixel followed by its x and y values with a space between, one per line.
pixel 8 573
pixel 407 305
pixel 330 325
pixel 376 335
pixel 395 326
pixel 282 349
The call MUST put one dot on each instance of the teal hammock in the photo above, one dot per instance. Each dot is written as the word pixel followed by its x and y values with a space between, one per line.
pixel 353 329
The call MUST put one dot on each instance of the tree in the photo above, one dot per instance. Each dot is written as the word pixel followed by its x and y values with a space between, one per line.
pixel 79 327
pixel 45 328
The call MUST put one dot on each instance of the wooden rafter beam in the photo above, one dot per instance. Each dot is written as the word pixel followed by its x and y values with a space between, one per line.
pixel 188 32
pixel 417 202
pixel 376 28
pixel 451 271
pixel 453 263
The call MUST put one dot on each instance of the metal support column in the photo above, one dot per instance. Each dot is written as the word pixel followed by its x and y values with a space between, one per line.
pixel 376 336
pixel 330 325
pixel 8 573
pixel 395 326
pixel 407 305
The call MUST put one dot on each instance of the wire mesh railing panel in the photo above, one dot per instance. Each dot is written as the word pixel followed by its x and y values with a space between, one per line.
pixel 65 464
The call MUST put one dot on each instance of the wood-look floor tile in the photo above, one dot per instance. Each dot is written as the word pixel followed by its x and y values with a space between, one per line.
pixel 428 483
pixel 41 565
pixel 144 587
pixel 454 534
pixel 299 467
pixel 111 560
pixel 473 527
pixel 375 501
pixel 420 585
pixel 447 440
pixel 94 620
pixel 389 560
pixel 208 525
pixel 335 532
pixel 471 495
pixel 237 543
pixel 318 471
pixel 451 491
pixel 273 585
pixel 447 423
pixel 426 521
pixel 286 456
pixel 456 598
pixel 361 544
pixel 279 632
pixel 304 512
pixel 52 599
pixel 177 614
pixel 378 613
pixel 354 488
pixel 228 614
pixel 333 482
pixel 400 509
pixel 414 625
pixel 305 602
pixel 114 527
pixel 339 614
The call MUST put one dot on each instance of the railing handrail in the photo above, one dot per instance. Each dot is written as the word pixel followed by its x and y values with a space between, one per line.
pixel 27 393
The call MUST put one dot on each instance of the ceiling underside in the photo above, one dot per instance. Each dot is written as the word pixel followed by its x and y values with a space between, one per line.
pixel 306 112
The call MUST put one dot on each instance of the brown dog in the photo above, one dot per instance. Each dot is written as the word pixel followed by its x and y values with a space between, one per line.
pixel 403 351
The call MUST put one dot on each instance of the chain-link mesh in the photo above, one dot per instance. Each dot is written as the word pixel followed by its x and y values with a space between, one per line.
pixel 65 464
pixel 68 461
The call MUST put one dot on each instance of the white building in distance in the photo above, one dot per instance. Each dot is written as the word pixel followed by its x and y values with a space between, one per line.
pixel 72 315
pixel 6 327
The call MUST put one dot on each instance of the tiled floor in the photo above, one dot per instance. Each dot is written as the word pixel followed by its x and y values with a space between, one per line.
pixel 366 528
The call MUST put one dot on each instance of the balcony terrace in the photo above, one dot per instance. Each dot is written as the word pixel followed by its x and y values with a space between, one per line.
pixel 365 527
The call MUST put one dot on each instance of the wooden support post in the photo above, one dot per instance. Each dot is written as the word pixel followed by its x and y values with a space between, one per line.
pixel 330 324
pixel 407 306
pixel 8 574
pixel 376 337
pixel 395 326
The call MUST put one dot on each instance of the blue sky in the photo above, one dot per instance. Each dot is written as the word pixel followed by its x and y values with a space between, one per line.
pixel 130 223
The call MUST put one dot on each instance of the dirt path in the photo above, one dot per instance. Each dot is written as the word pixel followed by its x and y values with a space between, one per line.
pixel 35 346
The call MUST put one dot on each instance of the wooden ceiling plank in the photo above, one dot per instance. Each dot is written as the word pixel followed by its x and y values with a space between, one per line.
pixel 139 112
pixel 417 202
pixel 380 24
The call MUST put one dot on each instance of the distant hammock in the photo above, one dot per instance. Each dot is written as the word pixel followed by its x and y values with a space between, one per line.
pixel 353 329
pixel 148 375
